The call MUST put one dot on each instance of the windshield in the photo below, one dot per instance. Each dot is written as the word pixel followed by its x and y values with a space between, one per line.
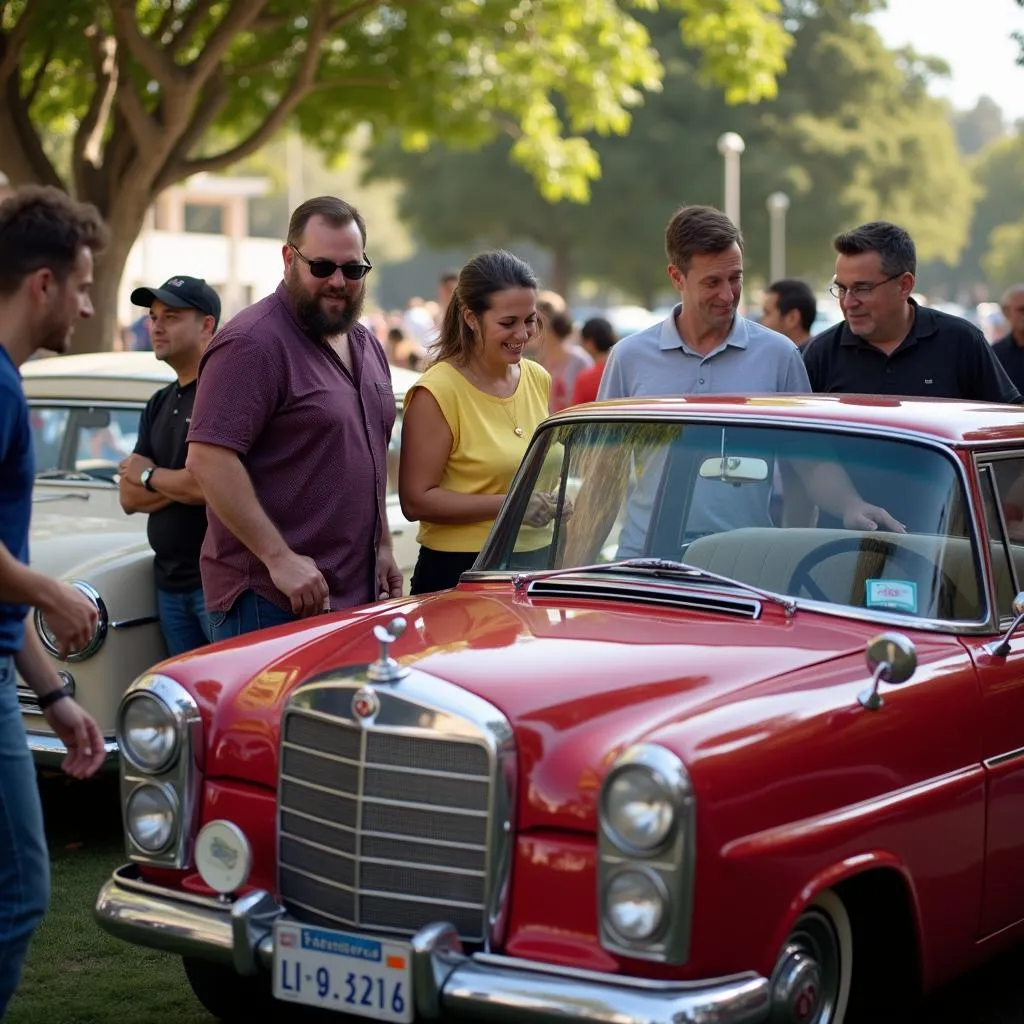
pixel 858 521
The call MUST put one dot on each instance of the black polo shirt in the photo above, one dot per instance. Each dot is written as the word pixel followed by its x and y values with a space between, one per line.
pixel 943 356
pixel 176 532
pixel 1011 357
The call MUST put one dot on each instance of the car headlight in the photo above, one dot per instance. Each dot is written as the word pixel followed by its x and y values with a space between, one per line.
pixel 150 816
pixel 638 811
pixel 635 905
pixel 148 732
pixel 99 634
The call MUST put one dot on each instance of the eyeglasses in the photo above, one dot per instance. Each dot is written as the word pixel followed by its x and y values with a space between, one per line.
pixel 326 268
pixel 858 291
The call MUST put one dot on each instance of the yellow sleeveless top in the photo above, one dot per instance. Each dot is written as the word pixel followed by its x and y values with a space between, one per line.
pixel 486 451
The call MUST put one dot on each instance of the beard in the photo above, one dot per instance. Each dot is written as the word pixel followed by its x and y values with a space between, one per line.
pixel 311 315
pixel 55 334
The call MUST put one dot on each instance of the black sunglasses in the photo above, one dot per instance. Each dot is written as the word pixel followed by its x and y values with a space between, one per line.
pixel 326 268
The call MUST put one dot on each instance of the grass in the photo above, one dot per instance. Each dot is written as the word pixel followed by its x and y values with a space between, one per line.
pixel 75 972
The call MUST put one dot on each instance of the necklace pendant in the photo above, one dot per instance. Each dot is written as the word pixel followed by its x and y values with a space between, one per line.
pixel 519 431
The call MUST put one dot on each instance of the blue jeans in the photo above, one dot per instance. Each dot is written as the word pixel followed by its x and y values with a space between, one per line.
pixel 183 620
pixel 249 612
pixel 24 861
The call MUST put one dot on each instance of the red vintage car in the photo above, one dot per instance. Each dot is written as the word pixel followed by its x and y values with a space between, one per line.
pixel 725 725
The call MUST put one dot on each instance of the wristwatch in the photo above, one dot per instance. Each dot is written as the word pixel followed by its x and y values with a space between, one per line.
pixel 144 478
pixel 51 698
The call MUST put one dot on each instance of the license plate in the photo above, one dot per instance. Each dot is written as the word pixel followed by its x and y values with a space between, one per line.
pixel 340 971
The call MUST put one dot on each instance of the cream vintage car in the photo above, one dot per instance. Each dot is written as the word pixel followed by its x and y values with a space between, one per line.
pixel 85 411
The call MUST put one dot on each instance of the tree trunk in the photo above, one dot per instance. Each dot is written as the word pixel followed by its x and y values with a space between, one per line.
pixel 97 334
pixel 17 163
pixel 561 269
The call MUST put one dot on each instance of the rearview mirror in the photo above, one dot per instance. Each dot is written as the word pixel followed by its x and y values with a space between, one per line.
pixel 735 469
pixel 93 419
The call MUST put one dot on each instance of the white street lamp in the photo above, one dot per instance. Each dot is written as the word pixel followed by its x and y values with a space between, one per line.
pixel 731 145
pixel 778 204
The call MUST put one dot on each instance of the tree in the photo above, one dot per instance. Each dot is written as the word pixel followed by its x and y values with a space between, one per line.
pixel 852 135
pixel 143 91
pixel 996 228
pixel 1019 36
pixel 977 127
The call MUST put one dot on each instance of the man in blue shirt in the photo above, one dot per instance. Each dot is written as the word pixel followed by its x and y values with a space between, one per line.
pixel 706 348
pixel 46 254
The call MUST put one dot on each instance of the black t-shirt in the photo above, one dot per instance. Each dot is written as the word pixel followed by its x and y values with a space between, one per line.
pixel 1011 357
pixel 943 356
pixel 176 532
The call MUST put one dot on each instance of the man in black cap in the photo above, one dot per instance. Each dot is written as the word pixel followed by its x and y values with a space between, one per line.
pixel 183 314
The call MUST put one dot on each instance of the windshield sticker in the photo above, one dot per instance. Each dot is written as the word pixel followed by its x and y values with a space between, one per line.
pixel 896 595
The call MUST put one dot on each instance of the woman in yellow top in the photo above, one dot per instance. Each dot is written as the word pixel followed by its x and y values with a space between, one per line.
pixel 468 421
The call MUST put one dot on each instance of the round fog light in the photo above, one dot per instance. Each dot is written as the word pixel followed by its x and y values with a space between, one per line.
pixel 150 815
pixel 223 856
pixel 635 905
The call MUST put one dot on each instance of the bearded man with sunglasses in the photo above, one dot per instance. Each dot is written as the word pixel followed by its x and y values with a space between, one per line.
pixel 290 429
pixel 888 344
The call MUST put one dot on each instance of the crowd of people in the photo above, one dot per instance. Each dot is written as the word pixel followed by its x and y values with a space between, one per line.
pixel 263 466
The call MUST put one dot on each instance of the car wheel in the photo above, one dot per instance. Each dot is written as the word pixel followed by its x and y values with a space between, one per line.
pixel 811 980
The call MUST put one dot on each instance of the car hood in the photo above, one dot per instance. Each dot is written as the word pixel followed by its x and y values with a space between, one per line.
pixel 62 545
pixel 579 682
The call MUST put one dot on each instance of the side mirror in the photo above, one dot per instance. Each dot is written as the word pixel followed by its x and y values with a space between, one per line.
pixel 1001 648
pixel 892 658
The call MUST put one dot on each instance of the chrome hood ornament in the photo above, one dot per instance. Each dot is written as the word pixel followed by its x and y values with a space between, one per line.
pixel 385 669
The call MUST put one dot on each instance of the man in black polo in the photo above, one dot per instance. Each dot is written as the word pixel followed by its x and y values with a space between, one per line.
pixel 888 344
pixel 183 314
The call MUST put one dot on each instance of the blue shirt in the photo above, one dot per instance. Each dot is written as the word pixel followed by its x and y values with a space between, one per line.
pixel 656 363
pixel 17 471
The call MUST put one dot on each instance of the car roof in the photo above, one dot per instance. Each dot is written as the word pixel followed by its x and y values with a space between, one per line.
pixel 141 366
pixel 942 419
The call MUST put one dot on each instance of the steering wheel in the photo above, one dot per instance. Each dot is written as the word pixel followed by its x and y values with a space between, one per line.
pixel 905 558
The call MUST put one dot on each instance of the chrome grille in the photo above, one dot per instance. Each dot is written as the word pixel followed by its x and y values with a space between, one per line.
pixel 27 700
pixel 383 830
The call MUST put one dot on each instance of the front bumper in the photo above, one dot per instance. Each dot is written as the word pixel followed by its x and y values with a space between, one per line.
pixel 481 987
pixel 49 752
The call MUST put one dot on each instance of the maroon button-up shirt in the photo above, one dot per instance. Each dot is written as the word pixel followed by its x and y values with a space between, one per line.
pixel 314 441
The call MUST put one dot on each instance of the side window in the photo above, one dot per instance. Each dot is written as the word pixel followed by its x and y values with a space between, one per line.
pixel 49 428
pixel 1002 488
pixel 104 438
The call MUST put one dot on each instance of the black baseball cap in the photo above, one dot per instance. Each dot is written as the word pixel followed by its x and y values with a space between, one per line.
pixel 184 293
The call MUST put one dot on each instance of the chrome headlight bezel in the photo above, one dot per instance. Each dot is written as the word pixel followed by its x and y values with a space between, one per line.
pixel 129 747
pixel 99 634
pixel 180 772
pixel 614 803
pixel 658 891
pixel 666 859
pixel 173 811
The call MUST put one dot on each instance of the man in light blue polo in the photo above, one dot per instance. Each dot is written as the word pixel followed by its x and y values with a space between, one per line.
pixel 706 348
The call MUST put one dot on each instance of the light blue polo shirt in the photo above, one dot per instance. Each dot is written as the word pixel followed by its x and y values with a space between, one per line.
pixel 657 363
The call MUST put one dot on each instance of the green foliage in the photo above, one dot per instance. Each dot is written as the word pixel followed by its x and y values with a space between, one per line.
pixel 547 72
pixel 1004 260
pixel 851 136
pixel 995 231
pixel 979 126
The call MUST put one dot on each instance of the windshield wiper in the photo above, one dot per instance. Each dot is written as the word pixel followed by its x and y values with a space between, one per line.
pixel 659 567
pixel 69 474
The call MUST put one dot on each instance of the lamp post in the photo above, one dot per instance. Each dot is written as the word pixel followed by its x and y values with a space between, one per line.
pixel 731 145
pixel 778 204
